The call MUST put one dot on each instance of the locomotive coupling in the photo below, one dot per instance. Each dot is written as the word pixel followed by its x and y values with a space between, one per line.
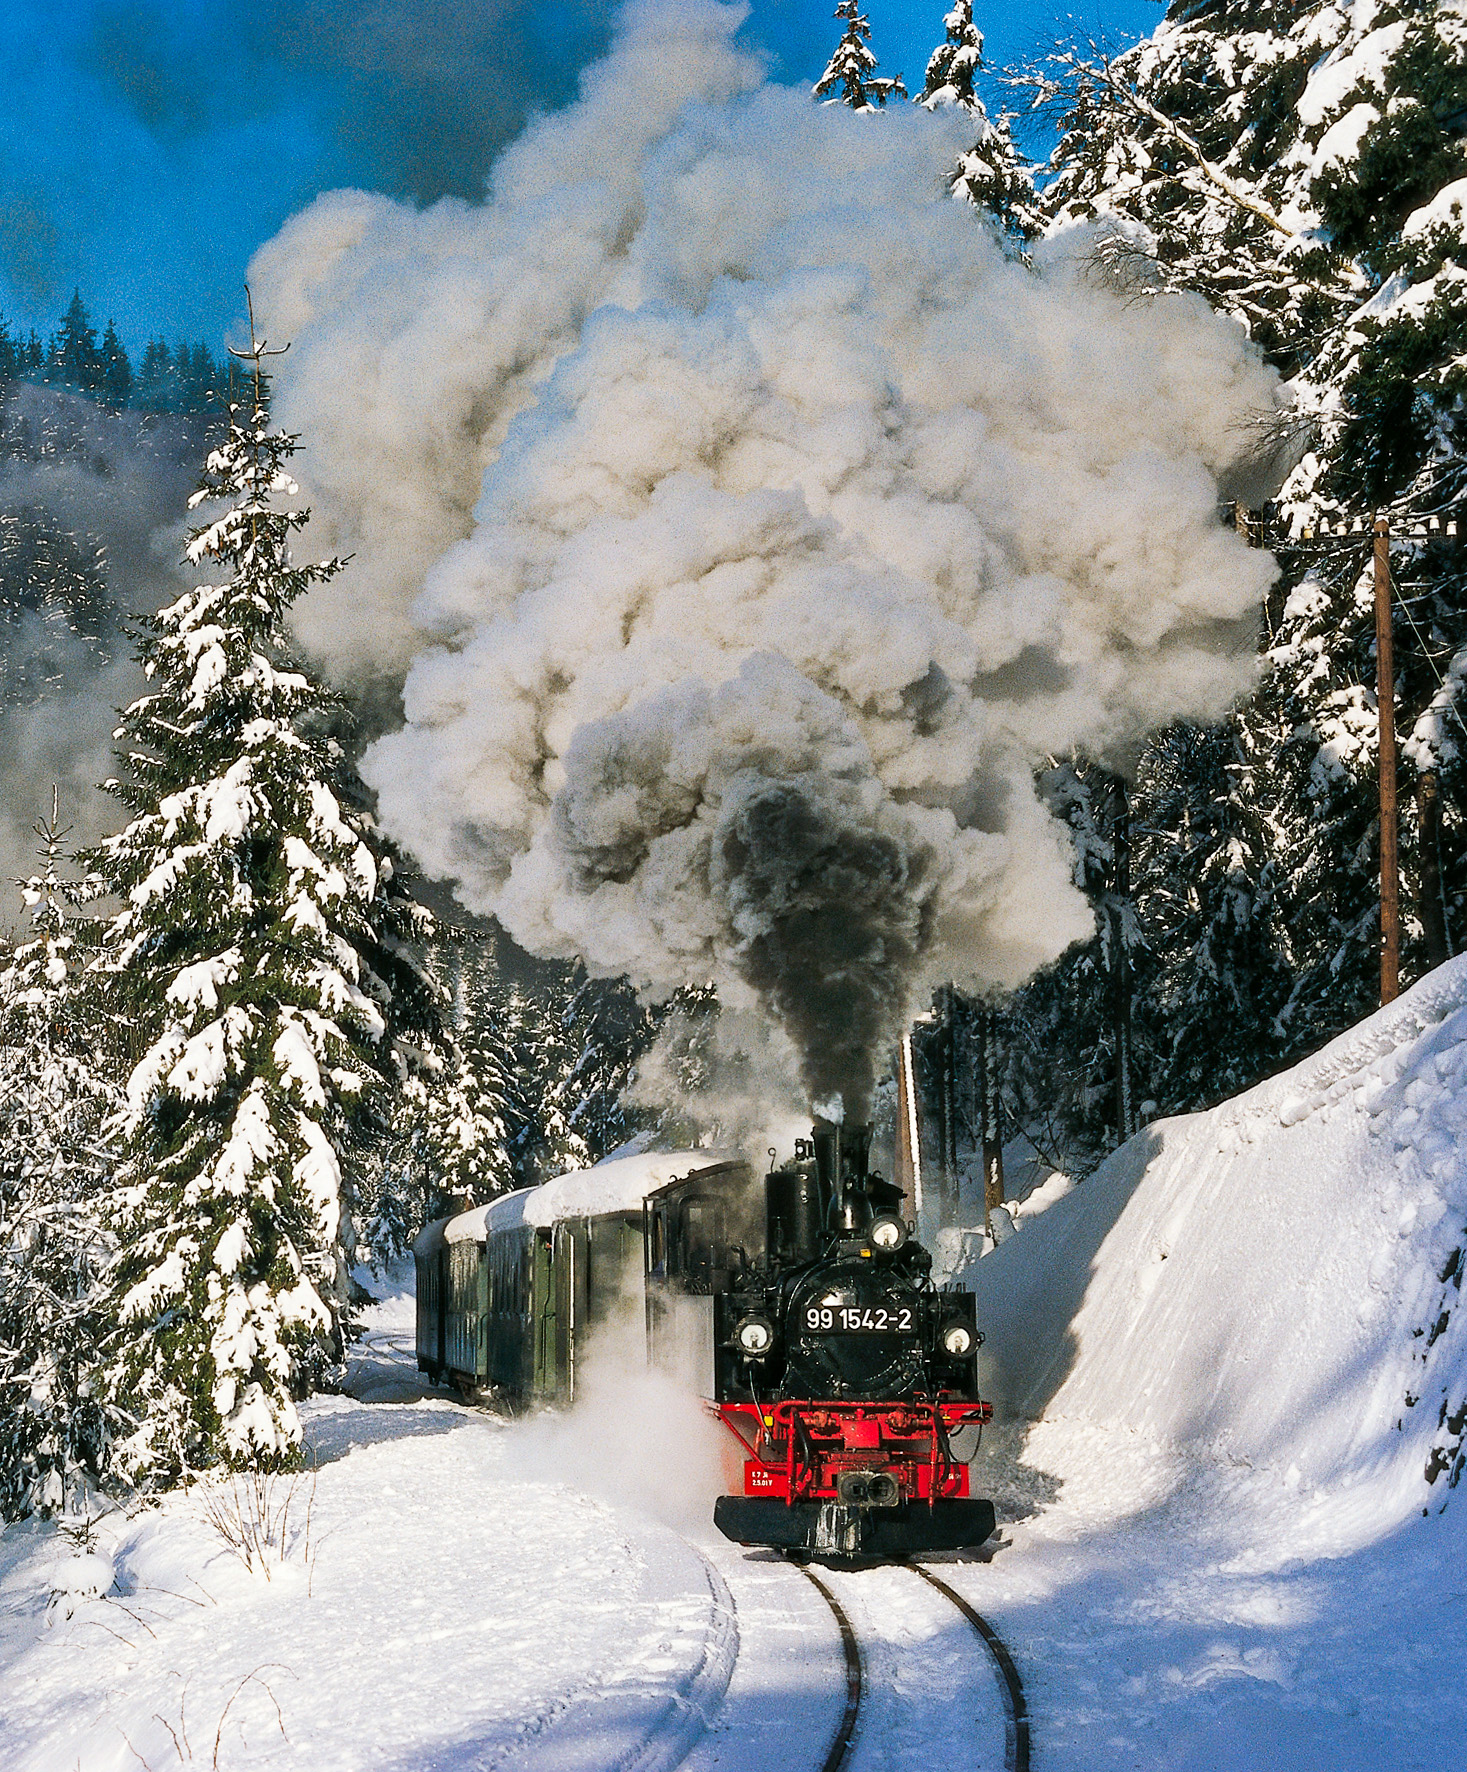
pixel 838 1530
pixel 868 1489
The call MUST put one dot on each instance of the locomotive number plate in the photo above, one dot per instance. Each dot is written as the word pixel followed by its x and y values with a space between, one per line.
pixel 860 1319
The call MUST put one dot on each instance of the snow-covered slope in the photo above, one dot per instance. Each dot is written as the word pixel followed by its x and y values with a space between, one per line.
pixel 1272 1283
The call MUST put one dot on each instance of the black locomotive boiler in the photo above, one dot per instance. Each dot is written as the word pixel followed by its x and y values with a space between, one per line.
pixel 796 1302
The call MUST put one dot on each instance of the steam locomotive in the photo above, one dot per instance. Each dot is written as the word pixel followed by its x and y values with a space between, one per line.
pixel 795 1302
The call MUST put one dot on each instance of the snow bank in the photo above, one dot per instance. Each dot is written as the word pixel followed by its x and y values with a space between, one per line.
pixel 429 1602
pixel 1272 1283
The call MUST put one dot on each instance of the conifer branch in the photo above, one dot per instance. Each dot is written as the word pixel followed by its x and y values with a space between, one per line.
pixel 1103 70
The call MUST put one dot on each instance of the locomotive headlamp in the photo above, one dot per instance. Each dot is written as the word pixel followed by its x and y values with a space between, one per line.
pixel 887 1234
pixel 754 1336
pixel 957 1338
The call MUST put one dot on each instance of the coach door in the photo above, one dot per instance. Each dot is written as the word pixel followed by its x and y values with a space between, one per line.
pixel 543 1300
pixel 464 1313
pixel 570 1253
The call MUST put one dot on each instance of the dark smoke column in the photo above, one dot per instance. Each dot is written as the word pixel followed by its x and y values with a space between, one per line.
pixel 834 931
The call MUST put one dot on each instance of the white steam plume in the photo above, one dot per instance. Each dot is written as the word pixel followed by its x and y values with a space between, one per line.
pixel 806 524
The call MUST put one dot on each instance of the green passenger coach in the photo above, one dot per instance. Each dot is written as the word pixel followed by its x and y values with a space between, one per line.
pixel 507 1293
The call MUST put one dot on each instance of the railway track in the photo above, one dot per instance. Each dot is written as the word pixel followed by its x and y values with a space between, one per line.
pixel 1016 1712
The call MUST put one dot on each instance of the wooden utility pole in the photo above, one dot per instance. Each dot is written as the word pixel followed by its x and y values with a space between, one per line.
pixel 1385 695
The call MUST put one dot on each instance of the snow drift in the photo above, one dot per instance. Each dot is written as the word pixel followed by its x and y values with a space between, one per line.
pixel 1272 1283
pixel 748 526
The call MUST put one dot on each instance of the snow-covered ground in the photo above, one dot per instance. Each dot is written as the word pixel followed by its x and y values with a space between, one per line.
pixel 1240 1343
pixel 1220 1549
pixel 443 1602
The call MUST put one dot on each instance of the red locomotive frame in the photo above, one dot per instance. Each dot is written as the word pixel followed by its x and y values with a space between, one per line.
pixel 802 1448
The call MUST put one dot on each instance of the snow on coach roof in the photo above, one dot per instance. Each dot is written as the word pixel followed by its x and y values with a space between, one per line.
pixel 619 1185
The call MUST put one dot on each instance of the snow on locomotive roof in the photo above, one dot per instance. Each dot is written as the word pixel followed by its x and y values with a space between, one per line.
pixel 619 1185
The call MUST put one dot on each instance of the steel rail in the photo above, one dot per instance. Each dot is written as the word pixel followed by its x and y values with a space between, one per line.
pixel 840 1746
pixel 1016 1709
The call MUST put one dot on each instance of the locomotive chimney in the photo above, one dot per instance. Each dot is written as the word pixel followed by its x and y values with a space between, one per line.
pixel 843 1154
pixel 856 1154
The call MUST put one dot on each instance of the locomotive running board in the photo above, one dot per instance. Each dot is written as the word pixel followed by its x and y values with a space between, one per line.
pixel 888 1532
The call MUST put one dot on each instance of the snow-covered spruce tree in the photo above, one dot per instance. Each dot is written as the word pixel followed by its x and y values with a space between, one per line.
pixel 1311 731
pixel 470 1120
pixel 541 1056
pixel 56 1245
pixel 54 605
pixel 449 1145
pixel 611 1029
pixel 1063 1033
pixel 1218 959
pixel 263 960
pixel 1190 966
pixel 850 76
pixel 1385 118
pixel 1299 165
pixel 1193 146
pixel 993 175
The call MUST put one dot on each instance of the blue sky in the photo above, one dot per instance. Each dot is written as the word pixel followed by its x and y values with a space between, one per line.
pixel 148 146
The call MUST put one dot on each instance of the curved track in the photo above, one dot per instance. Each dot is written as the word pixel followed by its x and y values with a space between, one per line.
pixel 840 1745
pixel 1016 1708
pixel 1016 1711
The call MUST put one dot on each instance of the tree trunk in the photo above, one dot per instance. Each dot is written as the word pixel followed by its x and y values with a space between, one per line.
pixel 1120 957
pixel 1431 904
pixel 990 1128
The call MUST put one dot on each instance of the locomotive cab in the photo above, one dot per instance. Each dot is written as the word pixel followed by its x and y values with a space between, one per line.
pixel 703 1235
